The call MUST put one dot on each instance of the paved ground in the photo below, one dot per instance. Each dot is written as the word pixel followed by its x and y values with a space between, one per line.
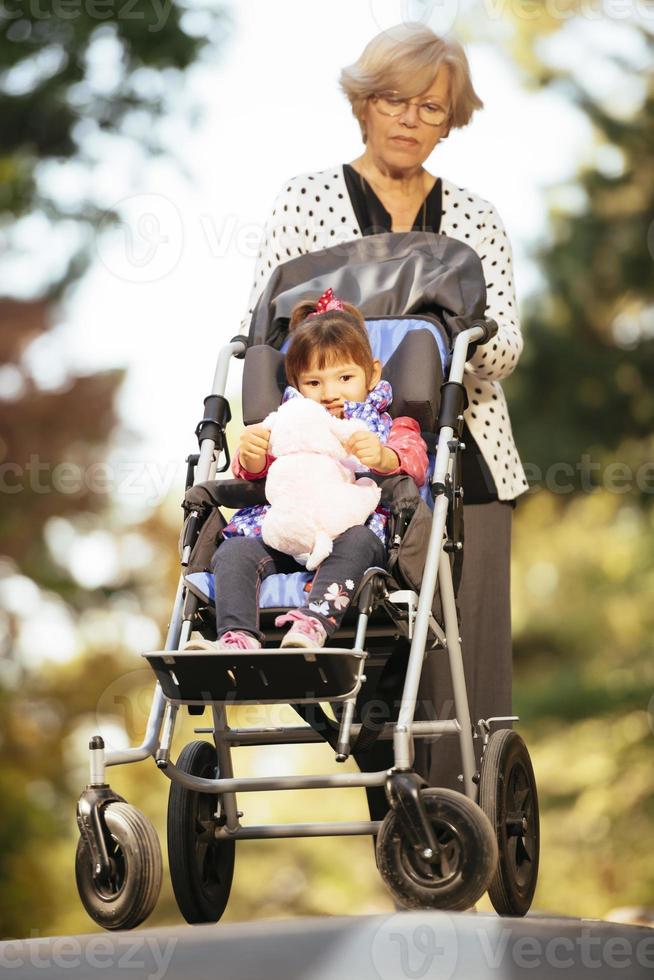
pixel 403 946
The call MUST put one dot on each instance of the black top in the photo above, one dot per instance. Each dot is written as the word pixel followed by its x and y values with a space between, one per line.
pixel 373 218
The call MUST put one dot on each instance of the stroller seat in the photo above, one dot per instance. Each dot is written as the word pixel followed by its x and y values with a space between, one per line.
pixel 414 354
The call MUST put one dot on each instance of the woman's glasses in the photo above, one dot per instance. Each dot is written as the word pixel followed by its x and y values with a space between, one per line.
pixel 391 104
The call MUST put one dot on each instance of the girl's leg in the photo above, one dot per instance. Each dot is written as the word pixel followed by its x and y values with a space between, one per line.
pixel 239 566
pixel 336 579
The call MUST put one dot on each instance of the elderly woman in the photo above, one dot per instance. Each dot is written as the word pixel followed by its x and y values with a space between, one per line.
pixel 408 90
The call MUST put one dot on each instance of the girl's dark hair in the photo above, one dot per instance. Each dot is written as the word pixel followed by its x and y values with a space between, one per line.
pixel 326 338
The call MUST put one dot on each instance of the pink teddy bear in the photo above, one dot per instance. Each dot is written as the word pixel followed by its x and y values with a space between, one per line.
pixel 310 486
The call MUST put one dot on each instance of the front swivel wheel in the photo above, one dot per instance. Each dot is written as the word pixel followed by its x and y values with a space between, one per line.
pixel 124 898
pixel 456 877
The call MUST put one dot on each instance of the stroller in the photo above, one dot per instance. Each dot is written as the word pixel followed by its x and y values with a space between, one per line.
pixel 423 297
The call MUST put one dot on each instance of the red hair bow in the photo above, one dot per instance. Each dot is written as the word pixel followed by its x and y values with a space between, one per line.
pixel 328 302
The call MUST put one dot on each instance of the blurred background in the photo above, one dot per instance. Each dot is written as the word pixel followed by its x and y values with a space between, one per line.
pixel 141 146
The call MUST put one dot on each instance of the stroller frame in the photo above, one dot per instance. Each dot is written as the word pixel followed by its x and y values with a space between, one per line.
pixel 161 721
pixel 435 847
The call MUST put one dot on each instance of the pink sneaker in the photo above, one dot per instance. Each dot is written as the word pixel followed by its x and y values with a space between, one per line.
pixel 234 640
pixel 306 631
pixel 237 640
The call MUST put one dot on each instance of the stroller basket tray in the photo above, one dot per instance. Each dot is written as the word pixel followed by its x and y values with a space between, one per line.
pixel 258 676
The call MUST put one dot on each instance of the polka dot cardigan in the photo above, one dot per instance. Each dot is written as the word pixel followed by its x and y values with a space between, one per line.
pixel 314 211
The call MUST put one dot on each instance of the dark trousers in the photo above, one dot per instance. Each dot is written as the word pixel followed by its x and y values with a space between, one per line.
pixel 484 601
pixel 240 565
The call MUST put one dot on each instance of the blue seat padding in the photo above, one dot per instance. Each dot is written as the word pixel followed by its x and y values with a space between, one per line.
pixel 285 590
pixel 386 335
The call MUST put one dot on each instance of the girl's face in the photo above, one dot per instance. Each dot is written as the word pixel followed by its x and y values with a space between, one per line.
pixel 335 384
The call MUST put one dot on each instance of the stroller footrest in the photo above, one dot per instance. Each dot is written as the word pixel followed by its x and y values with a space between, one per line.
pixel 274 676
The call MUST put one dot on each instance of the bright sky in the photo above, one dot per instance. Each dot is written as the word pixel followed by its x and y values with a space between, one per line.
pixel 171 283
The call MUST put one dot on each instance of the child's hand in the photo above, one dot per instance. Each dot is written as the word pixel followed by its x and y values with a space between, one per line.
pixel 253 446
pixel 367 448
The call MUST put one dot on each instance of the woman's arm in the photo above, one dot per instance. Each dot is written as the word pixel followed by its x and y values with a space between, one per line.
pixel 284 238
pixel 405 441
pixel 498 358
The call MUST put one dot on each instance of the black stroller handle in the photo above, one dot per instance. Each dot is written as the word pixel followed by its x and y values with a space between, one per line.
pixel 489 327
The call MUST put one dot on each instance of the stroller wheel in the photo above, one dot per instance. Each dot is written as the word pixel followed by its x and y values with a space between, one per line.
pixel 464 868
pixel 508 796
pixel 131 893
pixel 201 867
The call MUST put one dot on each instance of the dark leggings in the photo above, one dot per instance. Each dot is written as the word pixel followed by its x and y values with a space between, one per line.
pixel 240 564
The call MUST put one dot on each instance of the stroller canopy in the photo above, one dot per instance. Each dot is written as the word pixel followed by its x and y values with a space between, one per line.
pixel 391 274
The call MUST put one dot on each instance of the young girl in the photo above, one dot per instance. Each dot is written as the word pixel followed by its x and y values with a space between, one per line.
pixel 330 361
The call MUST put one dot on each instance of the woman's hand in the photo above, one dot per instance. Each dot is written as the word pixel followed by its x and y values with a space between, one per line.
pixel 253 447
pixel 367 448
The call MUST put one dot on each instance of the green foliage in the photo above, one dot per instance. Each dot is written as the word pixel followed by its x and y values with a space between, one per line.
pixel 583 384
pixel 582 408
pixel 73 75
pixel 73 72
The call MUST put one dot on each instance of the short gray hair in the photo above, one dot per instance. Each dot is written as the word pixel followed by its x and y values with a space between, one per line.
pixel 406 59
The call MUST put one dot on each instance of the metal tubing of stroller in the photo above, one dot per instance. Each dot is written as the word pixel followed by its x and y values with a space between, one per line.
pixel 255 784
pixel 268 831
pixel 149 745
pixel 225 768
pixel 460 352
pixel 119 757
pixel 461 706
pixel 206 461
pixel 402 738
pixel 222 366
pixel 304 734
pixel 150 742
pixel 344 736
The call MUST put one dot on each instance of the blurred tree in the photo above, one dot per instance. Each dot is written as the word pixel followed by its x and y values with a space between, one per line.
pixel 74 80
pixel 46 438
pixel 583 408
pixel 583 386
